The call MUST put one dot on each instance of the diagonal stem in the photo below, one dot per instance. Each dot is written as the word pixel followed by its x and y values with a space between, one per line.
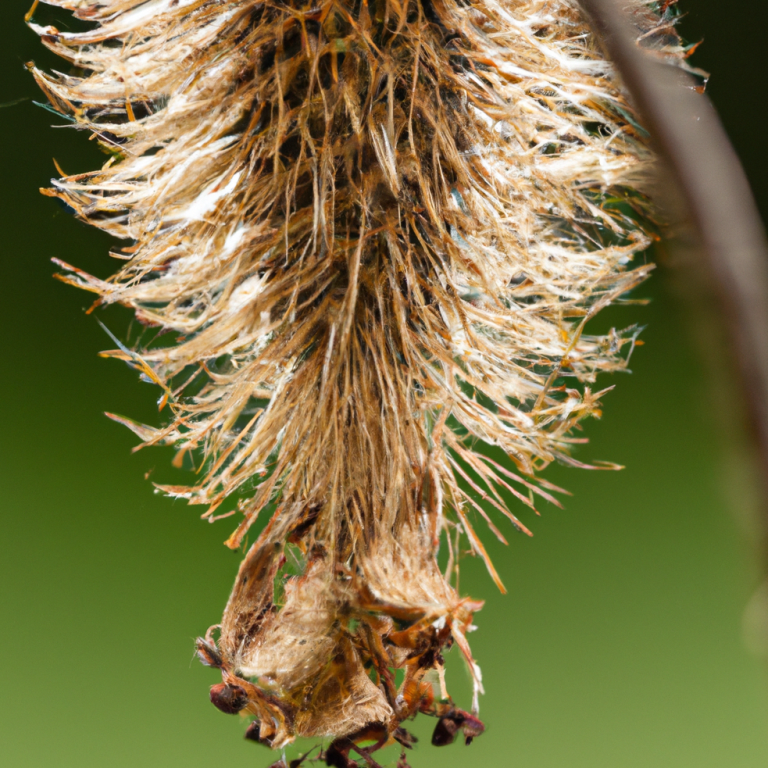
pixel 691 140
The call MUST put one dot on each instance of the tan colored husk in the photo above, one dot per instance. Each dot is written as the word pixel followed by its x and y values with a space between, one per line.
pixel 380 229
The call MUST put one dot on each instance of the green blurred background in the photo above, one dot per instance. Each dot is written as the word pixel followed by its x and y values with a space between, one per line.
pixel 620 644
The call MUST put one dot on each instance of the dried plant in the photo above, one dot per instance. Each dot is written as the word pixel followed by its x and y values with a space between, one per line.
pixel 379 229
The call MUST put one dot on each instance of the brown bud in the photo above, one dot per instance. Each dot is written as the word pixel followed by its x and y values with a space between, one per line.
pixel 445 732
pixel 228 698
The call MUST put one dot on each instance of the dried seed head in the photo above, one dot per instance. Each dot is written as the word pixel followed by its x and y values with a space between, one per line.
pixel 379 230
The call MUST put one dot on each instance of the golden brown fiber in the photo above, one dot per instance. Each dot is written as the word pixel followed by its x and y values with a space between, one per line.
pixel 379 229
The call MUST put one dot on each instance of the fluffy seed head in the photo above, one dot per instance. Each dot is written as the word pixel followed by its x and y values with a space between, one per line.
pixel 379 230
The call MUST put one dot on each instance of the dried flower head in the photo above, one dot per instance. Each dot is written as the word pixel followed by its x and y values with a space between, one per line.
pixel 380 229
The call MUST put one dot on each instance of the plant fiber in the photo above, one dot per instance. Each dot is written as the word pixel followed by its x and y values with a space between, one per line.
pixel 378 229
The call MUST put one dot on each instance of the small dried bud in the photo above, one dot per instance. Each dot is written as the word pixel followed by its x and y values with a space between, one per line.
pixel 228 698
pixel 445 732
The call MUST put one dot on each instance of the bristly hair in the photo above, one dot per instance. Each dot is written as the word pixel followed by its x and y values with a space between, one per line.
pixel 380 228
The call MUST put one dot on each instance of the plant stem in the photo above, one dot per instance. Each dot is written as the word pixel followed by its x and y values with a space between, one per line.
pixel 691 140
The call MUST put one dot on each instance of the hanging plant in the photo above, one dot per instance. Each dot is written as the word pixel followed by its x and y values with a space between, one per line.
pixel 379 230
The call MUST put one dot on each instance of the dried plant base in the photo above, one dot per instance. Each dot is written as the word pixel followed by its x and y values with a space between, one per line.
pixel 315 654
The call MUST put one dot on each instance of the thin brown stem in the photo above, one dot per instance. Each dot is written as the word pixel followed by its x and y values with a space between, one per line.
pixel 689 136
